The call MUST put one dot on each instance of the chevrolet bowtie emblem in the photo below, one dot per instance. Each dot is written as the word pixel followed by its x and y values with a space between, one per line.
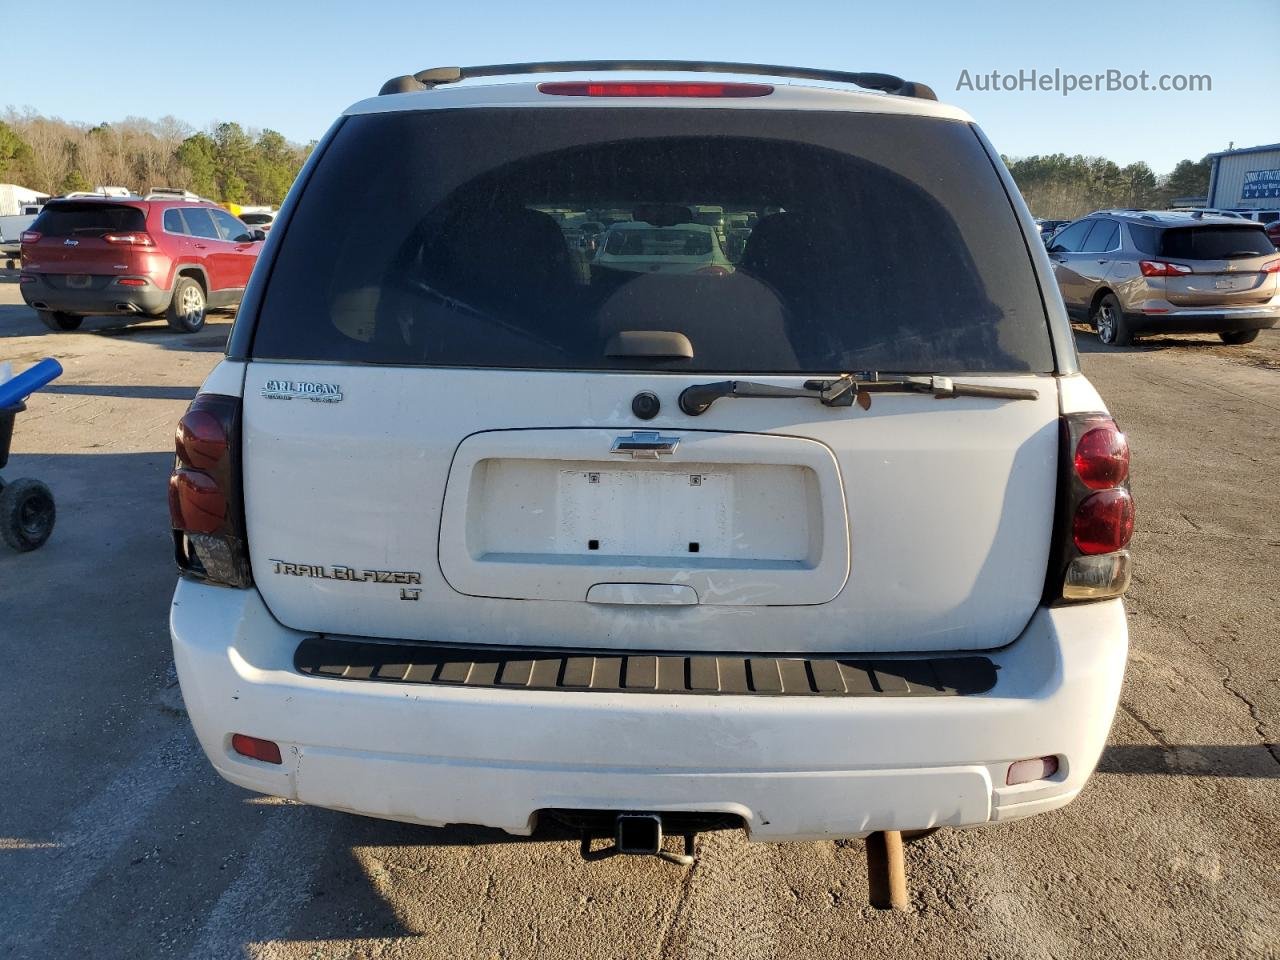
pixel 645 445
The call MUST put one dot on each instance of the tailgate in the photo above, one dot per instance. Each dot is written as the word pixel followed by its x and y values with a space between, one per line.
pixel 399 512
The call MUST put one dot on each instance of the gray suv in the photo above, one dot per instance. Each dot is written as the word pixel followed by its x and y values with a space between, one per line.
pixel 1134 272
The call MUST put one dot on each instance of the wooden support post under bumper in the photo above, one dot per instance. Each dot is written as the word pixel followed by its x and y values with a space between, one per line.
pixel 886 871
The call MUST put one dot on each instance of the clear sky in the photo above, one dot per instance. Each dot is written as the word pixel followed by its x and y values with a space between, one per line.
pixel 293 65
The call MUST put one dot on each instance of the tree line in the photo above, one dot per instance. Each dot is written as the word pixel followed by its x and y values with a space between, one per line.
pixel 229 163
pixel 1060 187
pixel 225 162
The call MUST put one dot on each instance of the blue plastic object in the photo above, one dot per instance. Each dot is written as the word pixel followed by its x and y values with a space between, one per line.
pixel 29 381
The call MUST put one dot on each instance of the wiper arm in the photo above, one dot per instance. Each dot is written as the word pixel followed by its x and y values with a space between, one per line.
pixel 843 391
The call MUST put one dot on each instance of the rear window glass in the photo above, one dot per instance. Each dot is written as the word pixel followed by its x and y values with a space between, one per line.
pixel 1204 243
pixel 876 243
pixel 88 219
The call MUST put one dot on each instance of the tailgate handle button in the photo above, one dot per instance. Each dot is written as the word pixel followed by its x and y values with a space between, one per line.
pixel 643 594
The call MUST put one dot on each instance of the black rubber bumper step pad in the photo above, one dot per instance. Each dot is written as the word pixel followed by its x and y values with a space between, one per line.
pixel 614 672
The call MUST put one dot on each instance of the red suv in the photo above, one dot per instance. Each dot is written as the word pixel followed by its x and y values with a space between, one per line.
pixel 135 256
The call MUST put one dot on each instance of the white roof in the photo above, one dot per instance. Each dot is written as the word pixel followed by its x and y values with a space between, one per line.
pixel 787 95
pixel 22 194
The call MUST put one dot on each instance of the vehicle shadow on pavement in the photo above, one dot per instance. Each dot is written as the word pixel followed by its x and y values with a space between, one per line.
pixel 1087 342
pixel 18 320
pixel 128 391
pixel 1260 760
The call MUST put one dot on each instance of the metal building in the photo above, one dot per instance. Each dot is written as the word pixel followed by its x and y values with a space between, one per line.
pixel 1248 178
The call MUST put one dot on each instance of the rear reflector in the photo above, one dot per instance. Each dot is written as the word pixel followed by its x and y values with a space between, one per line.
pixel 131 282
pixel 26 278
pixel 265 750
pixel 1025 771
pixel 656 89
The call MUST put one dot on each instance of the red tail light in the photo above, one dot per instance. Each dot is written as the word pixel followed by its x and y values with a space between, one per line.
pixel 206 508
pixel 1158 268
pixel 1095 512
pixel 30 236
pixel 656 89
pixel 1272 267
pixel 1102 457
pixel 1103 522
pixel 134 238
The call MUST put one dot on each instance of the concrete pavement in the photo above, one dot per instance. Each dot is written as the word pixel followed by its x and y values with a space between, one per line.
pixel 117 840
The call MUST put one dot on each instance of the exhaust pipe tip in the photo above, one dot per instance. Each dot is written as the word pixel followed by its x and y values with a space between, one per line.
pixel 39 305
pixel 126 308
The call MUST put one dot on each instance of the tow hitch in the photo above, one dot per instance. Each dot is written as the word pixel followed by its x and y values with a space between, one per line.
pixel 638 834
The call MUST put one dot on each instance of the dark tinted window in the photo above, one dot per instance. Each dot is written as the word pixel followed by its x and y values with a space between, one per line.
pixel 173 221
pixel 1103 237
pixel 69 218
pixel 200 223
pixel 256 219
pixel 879 242
pixel 1268 216
pixel 1215 242
pixel 1070 238
pixel 230 227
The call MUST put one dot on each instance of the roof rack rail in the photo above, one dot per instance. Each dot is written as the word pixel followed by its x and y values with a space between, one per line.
pixel 436 76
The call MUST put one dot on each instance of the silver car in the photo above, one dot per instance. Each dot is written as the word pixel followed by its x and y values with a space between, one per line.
pixel 1134 272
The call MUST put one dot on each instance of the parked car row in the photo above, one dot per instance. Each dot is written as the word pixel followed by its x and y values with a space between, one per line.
pixel 1133 272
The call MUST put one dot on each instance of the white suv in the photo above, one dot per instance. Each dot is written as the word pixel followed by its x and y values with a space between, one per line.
pixel 473 530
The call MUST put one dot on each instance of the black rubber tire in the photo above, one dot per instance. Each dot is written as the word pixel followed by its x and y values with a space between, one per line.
pixel 182 314
pixel 56 320
pixel 1108 319
pixel 1237 337
pixel 27 514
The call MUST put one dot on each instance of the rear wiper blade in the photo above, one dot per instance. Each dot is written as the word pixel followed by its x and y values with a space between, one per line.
pixel 845 390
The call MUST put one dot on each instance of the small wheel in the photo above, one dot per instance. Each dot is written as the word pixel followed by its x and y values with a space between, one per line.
pixel 1236 337
pixel 1108 320
pixel 27 514
pixel 57 320
pixel 188 307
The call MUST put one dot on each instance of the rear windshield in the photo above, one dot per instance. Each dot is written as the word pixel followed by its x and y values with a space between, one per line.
pixel 877 243
pixel 1204 243
pixel 87 219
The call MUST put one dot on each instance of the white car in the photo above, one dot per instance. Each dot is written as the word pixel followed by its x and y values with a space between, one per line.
pixel 468 536
pixel 641 247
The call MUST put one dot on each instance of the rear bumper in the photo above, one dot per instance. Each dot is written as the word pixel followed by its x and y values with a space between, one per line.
pixel 1205 320
pixel 110 299
pixel 792 768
